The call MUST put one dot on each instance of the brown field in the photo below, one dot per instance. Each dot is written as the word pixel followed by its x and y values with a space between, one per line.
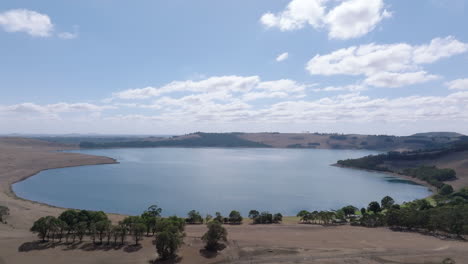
pixel 289 242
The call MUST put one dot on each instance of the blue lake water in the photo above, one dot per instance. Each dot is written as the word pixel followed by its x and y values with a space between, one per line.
pixel 216 179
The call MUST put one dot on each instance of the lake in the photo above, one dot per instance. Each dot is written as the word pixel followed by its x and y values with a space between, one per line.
pixel 216 179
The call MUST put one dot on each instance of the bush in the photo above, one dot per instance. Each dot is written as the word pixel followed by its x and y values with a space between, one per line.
pixel 194 217
pixel 4 211
pixel 216 232
pixel 446 189
pixel 235 217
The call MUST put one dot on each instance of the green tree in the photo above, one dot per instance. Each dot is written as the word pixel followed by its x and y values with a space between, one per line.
pixel 43 226
pixel 374 207
pixel 136 226
pixel 138 231
pixel 349 210
pixel 277 218
pixel 150 221
pixel 80 230
pixel 170 236
pixel 235 217
pixel 387 202
pixel 93 232
pixel 446 189
pixel 253 214
pixel 363 211
pixel 194 217
pixel 216 232
pixel 219 217
pixel 154 211
pixel 208 218
pixel 102 227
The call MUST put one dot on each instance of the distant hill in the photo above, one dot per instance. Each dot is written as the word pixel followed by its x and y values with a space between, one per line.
pixel 277 140
pixel 192 140
pixel 429 165
pixel 438 134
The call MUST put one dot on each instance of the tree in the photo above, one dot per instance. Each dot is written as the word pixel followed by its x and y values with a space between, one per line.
pixel 169 237
pixel 150 221
pixel 102 227
pixel 446 189
pixel 154 211
pixel 43 226
pixel 61 227
pixel 253 214
pixel 349 210
pixel 93 232
pixel 194 217
pixel 216 232
pixel 4 211
pixel 277 218
pixel 264 218
pixel 81 230
pixel 208 218
pixel 363 211
pixel 374 207
pixel 138 230
pixel 135 225
pixel 235 217
pixel 121 232
pixel 218 217
pixel 167 243
pixel 387 202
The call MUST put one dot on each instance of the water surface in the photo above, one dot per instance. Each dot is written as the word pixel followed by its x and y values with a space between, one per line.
pixel 216 179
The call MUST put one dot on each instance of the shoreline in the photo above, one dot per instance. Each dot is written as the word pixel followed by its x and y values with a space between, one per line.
pixel 396 175
pixel 10 192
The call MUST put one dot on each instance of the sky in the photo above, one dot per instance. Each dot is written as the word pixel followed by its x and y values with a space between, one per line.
pixel 175 66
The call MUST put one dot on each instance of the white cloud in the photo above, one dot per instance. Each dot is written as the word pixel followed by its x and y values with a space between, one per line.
pixel 393 79
pixel 282 57
pixel 30 22
pixel 51 110
pixel 391 65
pixel 219 87
pixel 355 18
pixel 349 19
pixel 352 107
pixel 349 88
pixel 67 35
pixel 458 84
pixel 297 14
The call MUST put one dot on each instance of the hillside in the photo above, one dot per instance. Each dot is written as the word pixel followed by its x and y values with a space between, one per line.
pixel 278 140
pixel 447 164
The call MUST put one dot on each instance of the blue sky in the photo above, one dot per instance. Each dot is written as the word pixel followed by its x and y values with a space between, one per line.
pixel 170 67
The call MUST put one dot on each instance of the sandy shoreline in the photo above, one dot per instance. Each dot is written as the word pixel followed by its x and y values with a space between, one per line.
pixel 284 243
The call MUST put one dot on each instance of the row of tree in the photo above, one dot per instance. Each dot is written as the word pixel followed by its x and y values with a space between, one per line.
pixel 168 232
pixel 234 218
pixel 448 215
pixel 265 217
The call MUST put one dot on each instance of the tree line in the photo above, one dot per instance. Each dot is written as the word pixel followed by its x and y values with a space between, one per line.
pixel 448 215
pixel 430 174
pixel 168 233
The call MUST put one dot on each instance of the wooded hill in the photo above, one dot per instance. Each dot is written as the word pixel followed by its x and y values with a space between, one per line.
pixel 280 140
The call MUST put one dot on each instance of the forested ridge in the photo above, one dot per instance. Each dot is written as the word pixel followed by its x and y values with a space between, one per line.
pixel 197 140
pixel 431 174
